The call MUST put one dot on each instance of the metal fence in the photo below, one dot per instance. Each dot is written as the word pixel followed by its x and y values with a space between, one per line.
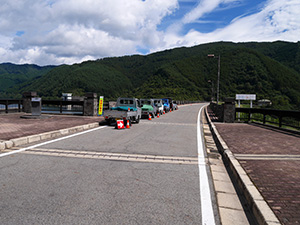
pixel 66 106
pixel 73 107
pixel 281 118
pixel 63 107
pixel 10 105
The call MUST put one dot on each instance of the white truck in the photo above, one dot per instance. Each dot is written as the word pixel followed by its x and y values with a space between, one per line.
pixel 126 109
pixel 159 106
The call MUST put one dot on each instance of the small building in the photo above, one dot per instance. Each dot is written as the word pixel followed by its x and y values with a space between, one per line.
pixel 66 96
pixel 264 102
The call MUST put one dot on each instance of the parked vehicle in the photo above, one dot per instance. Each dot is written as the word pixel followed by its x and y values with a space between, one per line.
pixel 125 109
pixel 159 105
pixel 173 105
pixel 148 108
pixel 166 104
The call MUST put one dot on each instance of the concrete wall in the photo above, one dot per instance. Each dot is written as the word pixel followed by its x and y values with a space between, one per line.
pixel 226 111
pixel 90 104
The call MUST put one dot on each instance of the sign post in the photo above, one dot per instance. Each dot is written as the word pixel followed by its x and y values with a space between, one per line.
pixel 240 97
pixel 100 110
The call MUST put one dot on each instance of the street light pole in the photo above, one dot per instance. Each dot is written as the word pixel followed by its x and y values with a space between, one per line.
pixel 218 81
pixel 218 91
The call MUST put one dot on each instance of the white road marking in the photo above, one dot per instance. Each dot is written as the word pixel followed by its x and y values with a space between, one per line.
pixel 49 142
pixel 266 157
pixel 205 198
pixel 113 156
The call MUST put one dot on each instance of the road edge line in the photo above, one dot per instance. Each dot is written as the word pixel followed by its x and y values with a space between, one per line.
pixel 49 142
pixel 207 211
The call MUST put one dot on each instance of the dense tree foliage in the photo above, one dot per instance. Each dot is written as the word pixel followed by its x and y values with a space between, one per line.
pixel 269 70
pixel 12 75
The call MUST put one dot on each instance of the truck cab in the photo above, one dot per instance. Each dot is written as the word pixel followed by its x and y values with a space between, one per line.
pixel 148 108
pixel 166 103
pixel 159 105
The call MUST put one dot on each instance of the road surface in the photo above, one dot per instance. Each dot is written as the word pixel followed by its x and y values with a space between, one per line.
pixel 153 173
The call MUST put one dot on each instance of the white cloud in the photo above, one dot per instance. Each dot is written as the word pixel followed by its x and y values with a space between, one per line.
pixel 69 31
pixel 278 20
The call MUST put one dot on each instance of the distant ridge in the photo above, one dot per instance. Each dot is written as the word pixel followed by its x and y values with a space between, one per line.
pixel 269 69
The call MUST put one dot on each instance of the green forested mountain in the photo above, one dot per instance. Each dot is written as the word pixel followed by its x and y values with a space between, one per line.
pixel 12 75
pixel 270 70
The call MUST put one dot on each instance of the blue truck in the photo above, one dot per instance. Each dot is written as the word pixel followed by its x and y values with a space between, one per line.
pixel 166 103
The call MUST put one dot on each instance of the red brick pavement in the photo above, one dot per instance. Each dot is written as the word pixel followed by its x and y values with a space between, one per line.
pixel 12 126
pixel 251 139
pixel 277 180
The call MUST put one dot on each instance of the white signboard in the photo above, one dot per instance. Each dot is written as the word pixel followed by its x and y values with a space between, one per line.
pixel 245 97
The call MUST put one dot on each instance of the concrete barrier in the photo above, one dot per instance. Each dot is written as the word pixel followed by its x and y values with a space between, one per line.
pixel 44 136
pixel 259 207
pixel 20 141
pixel 2 145
pixel 9 144
pixel 33 138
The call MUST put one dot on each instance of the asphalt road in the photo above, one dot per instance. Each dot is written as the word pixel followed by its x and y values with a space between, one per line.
pixel 148 174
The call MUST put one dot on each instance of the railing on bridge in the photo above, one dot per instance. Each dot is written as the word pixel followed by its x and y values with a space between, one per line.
pixel 63 107
pixel 75 107
pixel 281 118
pixel 72 107
pixel 10 105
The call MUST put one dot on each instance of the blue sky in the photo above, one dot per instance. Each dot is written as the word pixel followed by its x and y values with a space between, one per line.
pixel 218 18
pixel 47 32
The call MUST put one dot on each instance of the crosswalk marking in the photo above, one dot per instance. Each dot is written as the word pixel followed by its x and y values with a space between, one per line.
pixel 113 156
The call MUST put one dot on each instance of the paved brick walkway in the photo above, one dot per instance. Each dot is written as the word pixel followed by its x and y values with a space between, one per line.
pixel 12 126
pixel 278 179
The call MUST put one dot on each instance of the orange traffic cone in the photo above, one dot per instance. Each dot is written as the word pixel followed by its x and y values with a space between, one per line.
pixel 157 115
pixel 127 124
pixel 164 112
pixel 149 117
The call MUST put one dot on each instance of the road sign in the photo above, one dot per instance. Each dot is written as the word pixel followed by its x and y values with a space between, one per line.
pixel 120 124
pixel 245 97
pixel 100 111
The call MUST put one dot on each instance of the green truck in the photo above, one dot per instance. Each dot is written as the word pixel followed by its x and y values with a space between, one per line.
pixel 148 108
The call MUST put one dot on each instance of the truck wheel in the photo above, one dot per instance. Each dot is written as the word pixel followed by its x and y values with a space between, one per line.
pixel 137 120
pixel 110 122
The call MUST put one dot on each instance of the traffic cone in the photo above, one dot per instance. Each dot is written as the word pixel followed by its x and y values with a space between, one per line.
pixel 127 124
pixel 164 112
pixel 157 115
pixel 149 117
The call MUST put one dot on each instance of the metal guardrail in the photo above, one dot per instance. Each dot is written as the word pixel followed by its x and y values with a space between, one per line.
pixel 66 107
pixel 279 117
pixel 10 105
pixel 58 106
pixel 62 107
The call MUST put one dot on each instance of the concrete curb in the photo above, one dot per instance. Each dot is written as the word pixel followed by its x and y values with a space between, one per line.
pixel 44 136
pixel 259 207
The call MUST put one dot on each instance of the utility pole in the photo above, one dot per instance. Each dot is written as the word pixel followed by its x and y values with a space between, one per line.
pixel 219 68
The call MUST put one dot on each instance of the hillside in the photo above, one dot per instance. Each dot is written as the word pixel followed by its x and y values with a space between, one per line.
pixel 271 70
pixel 11 74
